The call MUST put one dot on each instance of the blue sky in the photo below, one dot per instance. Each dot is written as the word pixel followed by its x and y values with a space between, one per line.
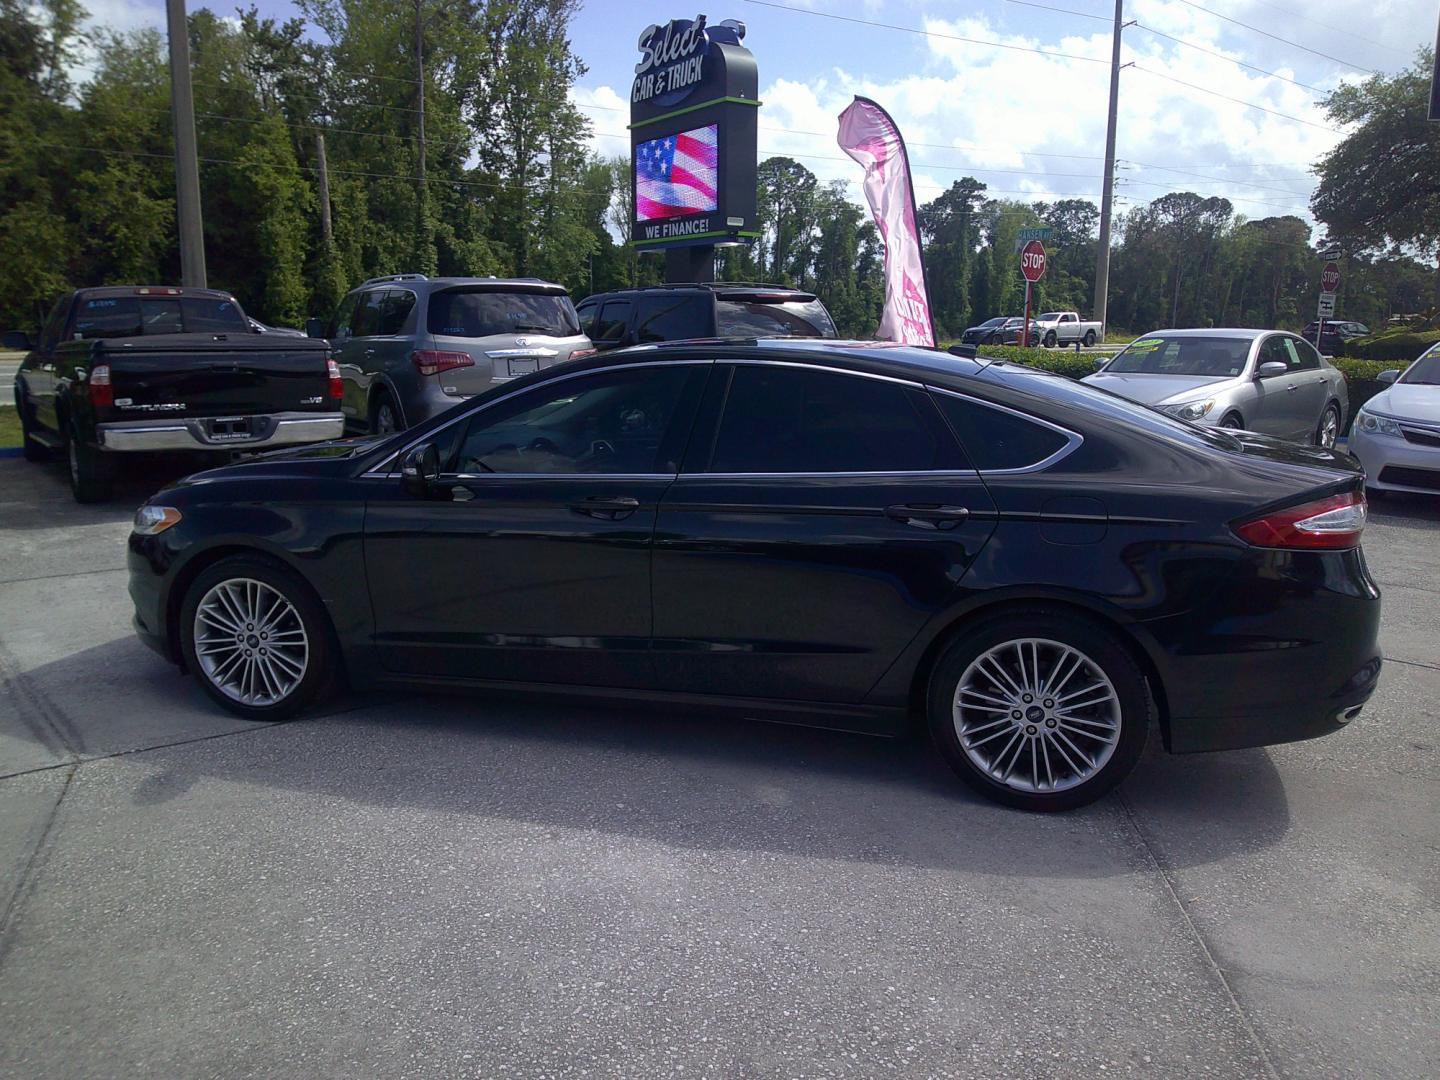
pixel 1028 125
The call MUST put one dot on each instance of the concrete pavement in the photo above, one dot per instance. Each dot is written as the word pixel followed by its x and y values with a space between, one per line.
pixel 438 886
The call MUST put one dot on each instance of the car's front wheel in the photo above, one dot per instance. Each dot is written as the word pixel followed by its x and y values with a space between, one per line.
pixel 1328 430
pixel 1039 709
pixel 257 638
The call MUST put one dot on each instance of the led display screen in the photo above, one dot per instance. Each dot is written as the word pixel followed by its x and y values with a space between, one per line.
pixel 677 174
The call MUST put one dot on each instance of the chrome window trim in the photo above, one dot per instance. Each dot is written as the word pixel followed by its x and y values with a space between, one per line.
pixel 382 468
pixel 765 362
pixel 959 474
pixel 1073 439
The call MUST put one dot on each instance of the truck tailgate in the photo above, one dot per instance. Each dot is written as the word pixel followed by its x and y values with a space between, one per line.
pixel 184 375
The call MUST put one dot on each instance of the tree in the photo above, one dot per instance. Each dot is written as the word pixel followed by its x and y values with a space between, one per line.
pixel 1379 188
pixel 948 227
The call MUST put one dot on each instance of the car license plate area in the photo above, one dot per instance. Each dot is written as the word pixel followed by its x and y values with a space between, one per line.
pixel 523 365
pixel 228 428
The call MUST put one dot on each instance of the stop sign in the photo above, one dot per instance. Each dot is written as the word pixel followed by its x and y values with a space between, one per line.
pixel 1330 277
pixel 1032 260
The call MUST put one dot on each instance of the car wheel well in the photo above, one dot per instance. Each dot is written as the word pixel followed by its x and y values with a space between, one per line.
pixel 919 686
pixel 1233 415
pixel 202 562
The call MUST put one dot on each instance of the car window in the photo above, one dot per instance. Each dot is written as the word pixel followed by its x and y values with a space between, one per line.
pixel 613 322
pixel 161 317
pixel 1424 371
pixel 997 439
pixel 612 422
pixel 50 334
pixel 367 315
pixel 1273 350
pixel 1308 359
pixel 791 420
pixel 1292 355
pixel 208 315
pixel 485 312
pixel 586 313
pixel 108 316
pixel 340 325
pixel 395 308
pixel 673 317
pixel 757 318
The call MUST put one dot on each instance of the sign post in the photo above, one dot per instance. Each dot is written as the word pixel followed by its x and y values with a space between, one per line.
pixel 693 107
pixel 1329 283
pixel 1032 266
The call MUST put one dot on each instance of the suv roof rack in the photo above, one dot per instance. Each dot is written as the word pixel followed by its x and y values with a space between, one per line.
pixel 394 277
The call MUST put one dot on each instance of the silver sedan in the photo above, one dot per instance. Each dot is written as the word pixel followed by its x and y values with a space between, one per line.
pixel 1261 380
pixel 1397 432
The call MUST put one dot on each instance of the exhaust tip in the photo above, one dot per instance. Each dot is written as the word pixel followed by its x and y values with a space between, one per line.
pixel 1344 716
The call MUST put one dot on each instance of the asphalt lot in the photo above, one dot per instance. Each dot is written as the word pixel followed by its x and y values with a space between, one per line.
pixel 478 887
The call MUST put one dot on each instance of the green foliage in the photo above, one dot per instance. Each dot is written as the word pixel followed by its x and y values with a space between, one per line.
pixel 9 427
pixel 1386 348
pixel 1060 361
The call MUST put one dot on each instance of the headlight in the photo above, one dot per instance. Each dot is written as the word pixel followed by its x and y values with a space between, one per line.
pixel 1193 410
pixel 150 520
pixel 1377 425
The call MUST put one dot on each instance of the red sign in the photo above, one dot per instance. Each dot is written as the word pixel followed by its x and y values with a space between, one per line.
pixel 1330 277
pixel 1032 260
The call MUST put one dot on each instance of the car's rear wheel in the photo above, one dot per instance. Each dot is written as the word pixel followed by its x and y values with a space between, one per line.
pixel 1089 338
pixel 1039 709
pixel 1328 430
pixel 34 451
pixel 92 475
pixel 257 638
pixel 1050 340
pixel 384 419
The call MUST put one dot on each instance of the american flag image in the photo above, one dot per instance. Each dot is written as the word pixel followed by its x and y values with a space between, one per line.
pixel 676 174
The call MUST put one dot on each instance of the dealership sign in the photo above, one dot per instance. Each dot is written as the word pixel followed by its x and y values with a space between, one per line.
pixel 693 108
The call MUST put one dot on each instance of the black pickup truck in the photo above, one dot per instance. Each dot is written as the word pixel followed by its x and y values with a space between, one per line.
pixel 135 369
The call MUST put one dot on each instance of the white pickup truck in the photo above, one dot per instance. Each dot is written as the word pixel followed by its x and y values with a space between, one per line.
pixel 1063 328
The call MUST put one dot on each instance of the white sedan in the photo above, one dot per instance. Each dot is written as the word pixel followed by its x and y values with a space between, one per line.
pixel 1397 432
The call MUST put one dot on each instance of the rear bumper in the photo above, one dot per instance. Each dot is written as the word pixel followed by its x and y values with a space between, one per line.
pixel 279 429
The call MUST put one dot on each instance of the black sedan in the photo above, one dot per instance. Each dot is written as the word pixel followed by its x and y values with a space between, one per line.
pixel 839 534
pixel 997 331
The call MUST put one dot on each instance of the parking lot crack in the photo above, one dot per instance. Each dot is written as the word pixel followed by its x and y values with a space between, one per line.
pixel 49 725
pixel 30 871
pixel 1153 857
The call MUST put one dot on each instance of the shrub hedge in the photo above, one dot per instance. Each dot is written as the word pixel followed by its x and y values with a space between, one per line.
pixel 1395 345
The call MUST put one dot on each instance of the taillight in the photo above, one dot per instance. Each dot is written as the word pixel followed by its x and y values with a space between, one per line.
pixel 1330 523
pixel 434 361
pixel 578 353
pixel 102 394
pixel 337 390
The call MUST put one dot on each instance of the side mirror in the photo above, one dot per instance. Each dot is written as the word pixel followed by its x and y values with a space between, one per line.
pixel 420 470
pixel 967 351
pixel 314 328
pixel 1101 361
pixel 17 341
pixel 1270 369
pixel 1389 376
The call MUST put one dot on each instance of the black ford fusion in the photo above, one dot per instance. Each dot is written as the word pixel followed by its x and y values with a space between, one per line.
pixel 840 534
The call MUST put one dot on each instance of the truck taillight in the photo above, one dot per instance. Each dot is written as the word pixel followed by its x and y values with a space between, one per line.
pixel 337 391
pixel 1325 524
pixel 102 394
pixel 434 361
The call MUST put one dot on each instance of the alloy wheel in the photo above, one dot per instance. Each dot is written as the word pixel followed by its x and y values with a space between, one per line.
pixel 385 419
pixel 250 642
pixel 1329 428
pixel 1036 715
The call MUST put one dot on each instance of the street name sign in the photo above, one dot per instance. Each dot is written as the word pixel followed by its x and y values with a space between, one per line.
pixel 1039 232
pixel 1330 254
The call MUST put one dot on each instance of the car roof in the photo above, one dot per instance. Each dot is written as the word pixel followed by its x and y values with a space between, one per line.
pixel 107 291
pixel 1213 332
pixel 409 280
pixel 719 288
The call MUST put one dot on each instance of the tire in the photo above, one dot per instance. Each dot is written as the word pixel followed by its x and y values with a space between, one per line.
pixel 1050 340
pixel 33 450
pixel 1089 339
pixel 1233 422
pixel 1042 761
pixel 1328 430
pixel 384 417
pixel 296 672
pixel 92 475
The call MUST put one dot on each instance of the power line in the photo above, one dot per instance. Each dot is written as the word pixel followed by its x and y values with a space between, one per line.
pixel 1336 29
pixel 1063 11
pixel 1275 37
pixel 1238 101
pixel 1211 52
pixel 1217 179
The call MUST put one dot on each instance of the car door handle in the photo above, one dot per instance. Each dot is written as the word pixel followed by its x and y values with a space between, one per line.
pixel 369 352
pixel 607 507
pixel 1292 389
pixel 930 516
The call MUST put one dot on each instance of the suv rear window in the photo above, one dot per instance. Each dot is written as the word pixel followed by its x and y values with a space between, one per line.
pixel 476 313
pixel 133 316
pixel 746 317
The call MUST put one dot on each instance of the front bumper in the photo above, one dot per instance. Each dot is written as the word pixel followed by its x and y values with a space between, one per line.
pixel 266 432
pixel 1393 463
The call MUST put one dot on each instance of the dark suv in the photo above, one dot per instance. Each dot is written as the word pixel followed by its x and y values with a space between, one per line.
pixel 723 309
pixel 410 346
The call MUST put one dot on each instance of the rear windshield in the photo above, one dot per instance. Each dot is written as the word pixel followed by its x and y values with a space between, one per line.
pixel 1209 357
pixel 483 313
pixel 753 317
pixel 136 316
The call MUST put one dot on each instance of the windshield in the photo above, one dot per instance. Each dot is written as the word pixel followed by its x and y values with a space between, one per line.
pixel 1425 371
pixel 1206 357
pixel 747 318
pixel 1049 316
pixel 992 322
pixel 474 313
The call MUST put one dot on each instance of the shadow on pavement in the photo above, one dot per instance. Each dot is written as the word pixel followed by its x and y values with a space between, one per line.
pixel 672 775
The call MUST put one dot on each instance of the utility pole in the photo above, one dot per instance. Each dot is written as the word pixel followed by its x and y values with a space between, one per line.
pixel 323 167
pixel 187 165
pixel 1107 192
pixel 420 84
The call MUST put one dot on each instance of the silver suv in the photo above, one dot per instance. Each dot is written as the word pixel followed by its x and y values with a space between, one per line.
pixel 410 347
